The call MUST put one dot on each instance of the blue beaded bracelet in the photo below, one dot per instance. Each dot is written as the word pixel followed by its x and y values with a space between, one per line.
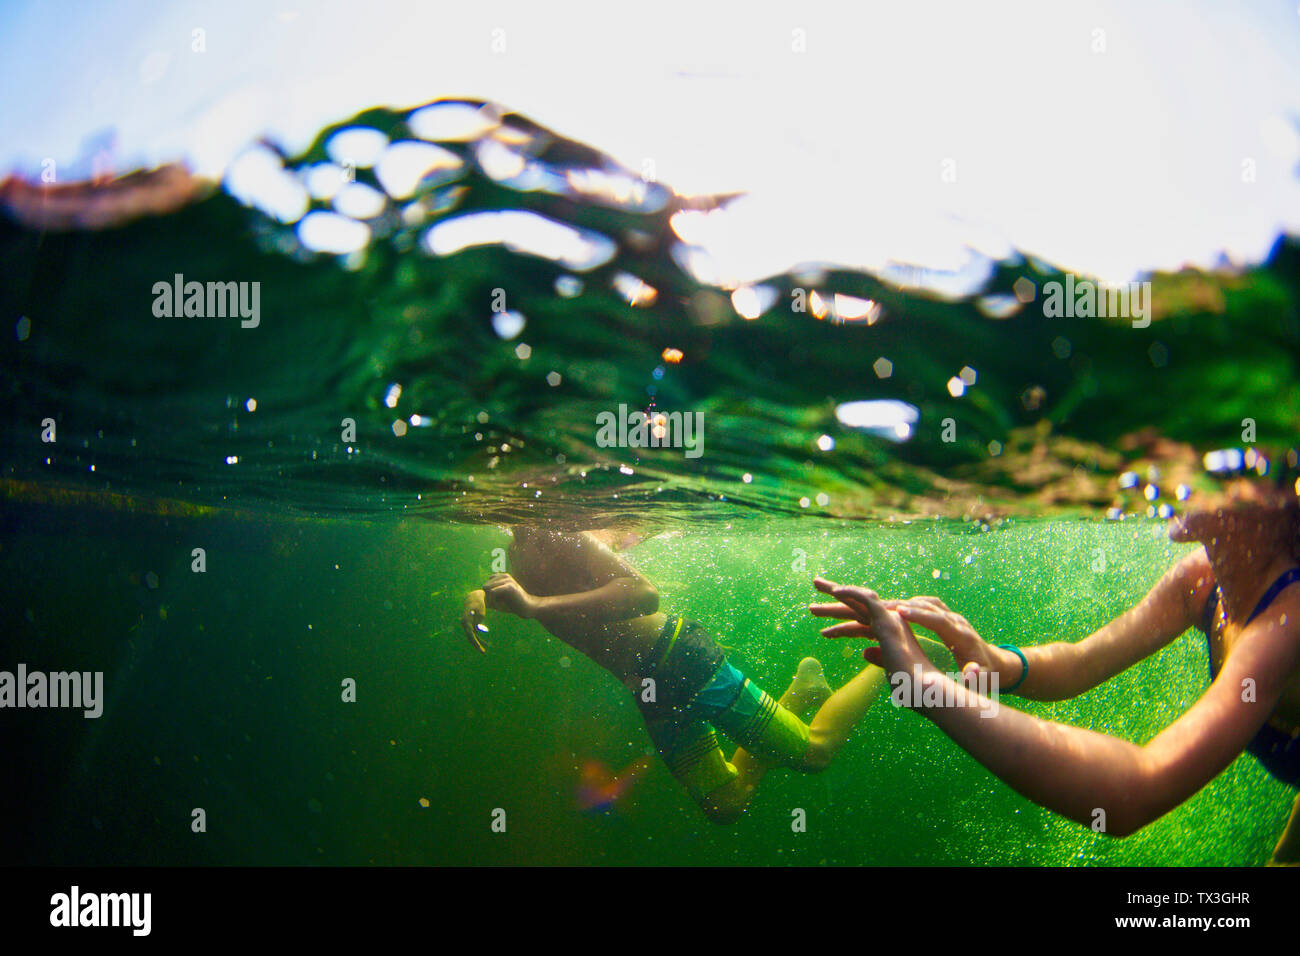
pixel 1024 661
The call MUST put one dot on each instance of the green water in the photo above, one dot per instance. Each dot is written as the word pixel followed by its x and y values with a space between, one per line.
pixel 335 556
pixel 223 692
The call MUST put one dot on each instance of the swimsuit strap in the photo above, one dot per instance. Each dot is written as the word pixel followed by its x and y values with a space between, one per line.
pixel 1284 581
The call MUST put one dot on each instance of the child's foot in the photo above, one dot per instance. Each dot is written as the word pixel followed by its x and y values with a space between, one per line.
pixel 809 689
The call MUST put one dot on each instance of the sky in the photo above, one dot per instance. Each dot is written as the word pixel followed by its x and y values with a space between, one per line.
pixel 1107 138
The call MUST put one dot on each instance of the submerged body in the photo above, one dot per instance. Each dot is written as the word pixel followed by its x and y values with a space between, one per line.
pixel 591 599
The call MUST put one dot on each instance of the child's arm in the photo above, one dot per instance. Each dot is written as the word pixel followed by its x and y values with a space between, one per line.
pixel 617 600
pixel 619 591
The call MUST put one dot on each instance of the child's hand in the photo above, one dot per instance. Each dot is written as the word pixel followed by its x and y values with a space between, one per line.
pixel 471 618
pixel 504 593
pixel 897 648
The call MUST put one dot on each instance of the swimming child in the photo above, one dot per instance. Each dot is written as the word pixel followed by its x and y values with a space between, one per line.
pixel 583 593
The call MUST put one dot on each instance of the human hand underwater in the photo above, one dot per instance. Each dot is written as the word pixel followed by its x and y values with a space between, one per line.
pixel 972 652
pixel 503 593
pixel 868 616
pixel 471 618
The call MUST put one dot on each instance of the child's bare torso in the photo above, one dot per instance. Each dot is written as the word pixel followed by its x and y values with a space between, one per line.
pixel 562 564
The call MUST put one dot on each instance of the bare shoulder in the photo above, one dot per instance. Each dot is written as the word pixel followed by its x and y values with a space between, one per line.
pixel 1192 579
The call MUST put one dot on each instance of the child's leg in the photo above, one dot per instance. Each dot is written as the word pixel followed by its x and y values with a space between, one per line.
pixel 696 761
pixel 835 716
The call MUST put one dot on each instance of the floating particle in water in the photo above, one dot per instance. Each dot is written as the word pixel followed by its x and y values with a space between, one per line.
pixel 407 165
pixel 849 308
pixel 817 305
pixel 1128 480
pixel 1159 354
pixel 804 502
pixel 823 499
pixel 1227 459
pixel 23 328
pixel 508 324
pixel 635 290
pixel 399 428
pixel 553 379
pixel 151 581
pixel 1024 289
pixel 257 177
pixel 523 351
pixel 329 232
pixel 356 146
pixel 672 356
pixel 565 662
pixel 324 180
pixel 825 442
pixel 998 306
pixel 424 802
pixel 393 394
pixel 1033 397
pixel 886 418
pixel 956 387
pixel 968 375
pixel 568 287
pixel 747 478
pixel 746 302
pixel 883 367
pixel 359 201
pixel 995 448
pixel 1151 492
pixel 452 122
pixel 1061 347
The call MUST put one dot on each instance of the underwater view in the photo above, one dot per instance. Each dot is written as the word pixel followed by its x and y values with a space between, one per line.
pixel 421 474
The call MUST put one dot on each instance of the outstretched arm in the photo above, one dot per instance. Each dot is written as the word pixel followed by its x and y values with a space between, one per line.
pixel 1077 772
pixel 1061 669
